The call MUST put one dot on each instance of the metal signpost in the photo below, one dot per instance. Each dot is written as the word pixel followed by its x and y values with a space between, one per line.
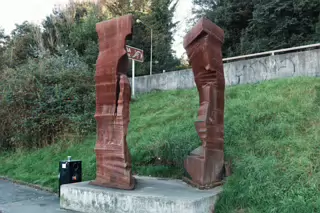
pixel 134 54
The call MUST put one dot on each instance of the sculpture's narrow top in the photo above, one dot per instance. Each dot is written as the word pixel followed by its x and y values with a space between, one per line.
pixel 204 26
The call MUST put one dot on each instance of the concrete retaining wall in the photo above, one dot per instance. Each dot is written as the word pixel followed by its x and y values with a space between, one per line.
pixel 306 63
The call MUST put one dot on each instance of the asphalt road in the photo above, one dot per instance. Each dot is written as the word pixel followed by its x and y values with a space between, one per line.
pixel 22 199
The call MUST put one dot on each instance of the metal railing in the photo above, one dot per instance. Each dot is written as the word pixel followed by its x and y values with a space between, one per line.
pixel 273 52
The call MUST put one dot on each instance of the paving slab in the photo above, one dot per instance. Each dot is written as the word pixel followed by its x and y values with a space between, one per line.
pixel 16 198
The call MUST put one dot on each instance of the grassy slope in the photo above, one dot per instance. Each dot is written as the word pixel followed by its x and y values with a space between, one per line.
pixel 272 135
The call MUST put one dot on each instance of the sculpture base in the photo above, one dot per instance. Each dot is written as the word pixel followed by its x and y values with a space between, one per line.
pixel 205 172
pixel 115 186
pixel 202 187
pixel 150 195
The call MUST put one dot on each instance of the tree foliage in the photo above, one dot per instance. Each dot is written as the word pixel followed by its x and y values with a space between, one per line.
pixel 78 32
pixel 4 39
pixel 160 21
pixel 47 71
pixel 260 25
pixel 24 43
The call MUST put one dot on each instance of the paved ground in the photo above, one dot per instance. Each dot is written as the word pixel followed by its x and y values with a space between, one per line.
pixel 21 199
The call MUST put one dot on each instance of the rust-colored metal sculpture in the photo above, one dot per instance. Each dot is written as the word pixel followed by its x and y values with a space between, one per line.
pixel 113 95
pixel 203 43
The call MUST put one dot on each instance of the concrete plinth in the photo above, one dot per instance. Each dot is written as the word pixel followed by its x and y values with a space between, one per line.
pixel 151 195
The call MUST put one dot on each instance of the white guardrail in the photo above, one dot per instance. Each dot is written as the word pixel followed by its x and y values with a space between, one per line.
pixel 273 52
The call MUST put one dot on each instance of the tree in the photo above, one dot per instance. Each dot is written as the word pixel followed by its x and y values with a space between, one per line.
pixel 25 42
pixel 122 7
pixel 4 39
pixel 232 16
pixel 74 27
pixel 282 24
pixel 160 20
pixel 259 25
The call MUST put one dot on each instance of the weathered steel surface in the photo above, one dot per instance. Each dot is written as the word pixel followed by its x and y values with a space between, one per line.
pixel 113 95
pixel 203 43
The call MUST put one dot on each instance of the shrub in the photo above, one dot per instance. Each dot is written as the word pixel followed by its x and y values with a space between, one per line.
pixel 44 99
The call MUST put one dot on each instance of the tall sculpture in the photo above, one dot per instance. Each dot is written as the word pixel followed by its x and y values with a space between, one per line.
pixel 113 95
pixel 203 43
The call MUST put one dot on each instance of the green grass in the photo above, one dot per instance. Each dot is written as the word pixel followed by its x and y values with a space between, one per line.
pixel 272 136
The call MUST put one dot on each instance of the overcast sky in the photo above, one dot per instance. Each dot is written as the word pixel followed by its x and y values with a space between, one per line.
pixel 182 15
pixel 18 11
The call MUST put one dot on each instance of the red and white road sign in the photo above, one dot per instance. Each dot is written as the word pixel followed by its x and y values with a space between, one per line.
pixel 135 53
